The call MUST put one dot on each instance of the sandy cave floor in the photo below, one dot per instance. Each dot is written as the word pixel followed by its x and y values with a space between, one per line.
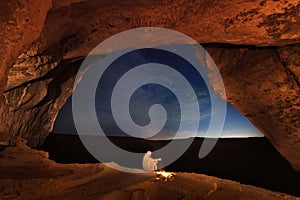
pixel 26 173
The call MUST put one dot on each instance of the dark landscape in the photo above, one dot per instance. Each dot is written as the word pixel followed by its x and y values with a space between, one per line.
pixel 251 161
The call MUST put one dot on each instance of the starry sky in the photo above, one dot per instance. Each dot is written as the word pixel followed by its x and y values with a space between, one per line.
pixel 236 125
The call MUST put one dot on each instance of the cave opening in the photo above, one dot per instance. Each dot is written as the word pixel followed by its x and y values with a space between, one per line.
pixel 249 158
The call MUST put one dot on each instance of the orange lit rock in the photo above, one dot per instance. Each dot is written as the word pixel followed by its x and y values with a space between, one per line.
pixel 43 43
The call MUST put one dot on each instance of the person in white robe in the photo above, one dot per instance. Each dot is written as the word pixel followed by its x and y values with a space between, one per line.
pixel 149 163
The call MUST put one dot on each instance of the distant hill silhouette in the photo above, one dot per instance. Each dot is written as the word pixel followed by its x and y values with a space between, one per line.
pixel 252 161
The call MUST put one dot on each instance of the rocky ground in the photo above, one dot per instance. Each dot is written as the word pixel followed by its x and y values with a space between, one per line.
pixel 26 173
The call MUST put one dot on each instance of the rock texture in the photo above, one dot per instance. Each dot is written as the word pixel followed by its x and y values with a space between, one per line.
pixel 44 42
pixel 263 84
pixel 21 23
pixel 28 174
pixel 30 110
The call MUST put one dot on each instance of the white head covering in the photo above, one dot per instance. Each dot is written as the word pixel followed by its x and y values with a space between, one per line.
pixel 149 153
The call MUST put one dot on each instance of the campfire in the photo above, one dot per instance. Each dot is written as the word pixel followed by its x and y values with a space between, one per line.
pixel 165 176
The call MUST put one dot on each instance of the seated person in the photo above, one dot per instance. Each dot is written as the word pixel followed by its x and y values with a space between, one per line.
pixel 149 163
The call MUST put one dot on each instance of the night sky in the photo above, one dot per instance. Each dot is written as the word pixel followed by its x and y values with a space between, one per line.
pixel 147 95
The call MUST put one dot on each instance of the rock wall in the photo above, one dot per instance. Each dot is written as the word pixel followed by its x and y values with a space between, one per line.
pixel 21 23
pixel 263 84
pixel 45 41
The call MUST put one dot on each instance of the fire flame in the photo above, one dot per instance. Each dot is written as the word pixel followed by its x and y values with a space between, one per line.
pixel 165 176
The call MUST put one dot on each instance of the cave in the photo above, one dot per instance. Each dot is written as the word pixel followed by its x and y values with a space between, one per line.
pixel 255 45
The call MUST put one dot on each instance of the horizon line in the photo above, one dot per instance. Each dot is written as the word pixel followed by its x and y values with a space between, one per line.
pixel 222 137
